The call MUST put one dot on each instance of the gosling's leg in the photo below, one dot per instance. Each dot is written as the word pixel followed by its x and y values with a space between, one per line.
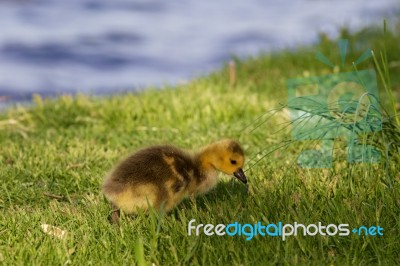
pixel 115 214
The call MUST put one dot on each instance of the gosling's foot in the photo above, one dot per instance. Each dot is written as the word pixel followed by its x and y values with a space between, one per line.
pixel 114 216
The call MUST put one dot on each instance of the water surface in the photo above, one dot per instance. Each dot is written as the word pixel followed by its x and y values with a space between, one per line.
pixel 102 46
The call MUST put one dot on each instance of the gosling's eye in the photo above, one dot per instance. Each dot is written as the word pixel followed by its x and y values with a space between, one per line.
pixel 233 162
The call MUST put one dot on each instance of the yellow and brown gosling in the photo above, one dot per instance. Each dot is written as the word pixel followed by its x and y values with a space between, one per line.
pixel 161 176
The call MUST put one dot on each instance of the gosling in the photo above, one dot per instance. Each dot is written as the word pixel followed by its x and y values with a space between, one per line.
pixel 160 177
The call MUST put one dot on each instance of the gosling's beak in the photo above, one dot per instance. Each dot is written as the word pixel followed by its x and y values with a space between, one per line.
pixel 239 174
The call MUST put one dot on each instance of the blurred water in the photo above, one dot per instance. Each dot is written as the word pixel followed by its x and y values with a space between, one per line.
pixel 101 46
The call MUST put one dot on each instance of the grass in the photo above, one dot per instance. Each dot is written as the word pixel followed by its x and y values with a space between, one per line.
pixel 54 155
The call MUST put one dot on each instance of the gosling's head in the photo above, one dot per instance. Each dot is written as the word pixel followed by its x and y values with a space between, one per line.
pixel 227 156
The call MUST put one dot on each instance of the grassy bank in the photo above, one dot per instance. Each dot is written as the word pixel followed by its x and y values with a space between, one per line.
pixel 54 155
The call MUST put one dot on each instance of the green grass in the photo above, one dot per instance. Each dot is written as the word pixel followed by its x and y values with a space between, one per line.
pixel 65 147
